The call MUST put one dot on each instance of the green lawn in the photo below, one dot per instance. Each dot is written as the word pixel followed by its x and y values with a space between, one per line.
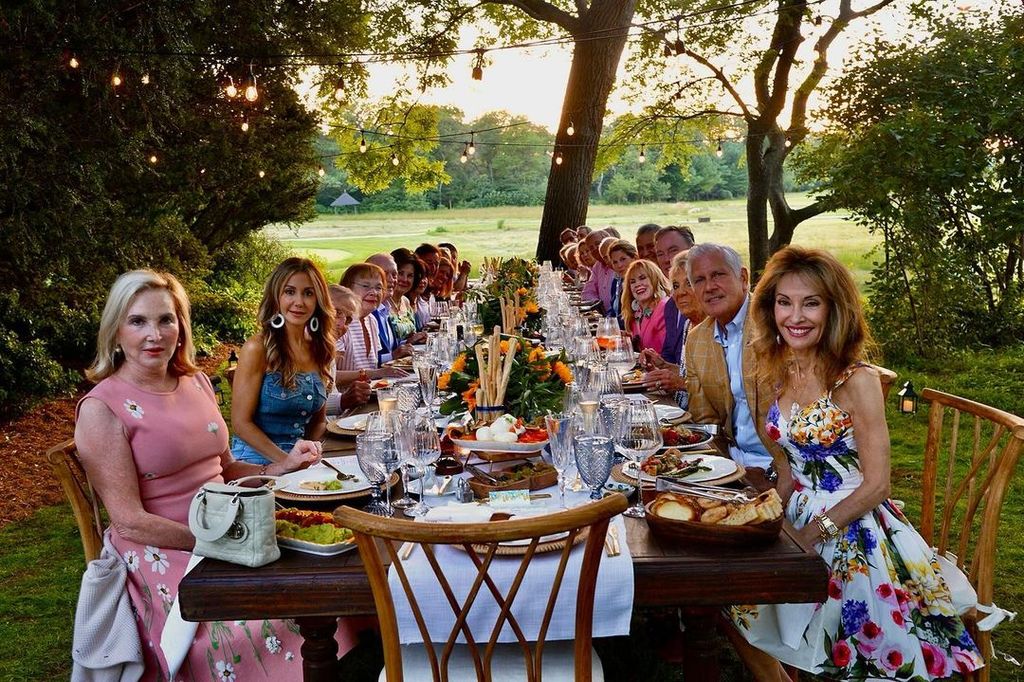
pixel 340 240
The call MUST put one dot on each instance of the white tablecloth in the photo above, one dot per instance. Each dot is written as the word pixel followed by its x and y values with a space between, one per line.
pixel 613 603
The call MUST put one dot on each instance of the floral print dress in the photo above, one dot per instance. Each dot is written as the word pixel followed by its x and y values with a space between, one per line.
pixel 888 614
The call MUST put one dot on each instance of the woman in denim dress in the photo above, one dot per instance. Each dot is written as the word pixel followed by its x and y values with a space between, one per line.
pixel 284 372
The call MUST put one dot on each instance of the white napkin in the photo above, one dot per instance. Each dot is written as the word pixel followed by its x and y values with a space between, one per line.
pixel 176 638
pixel 456 512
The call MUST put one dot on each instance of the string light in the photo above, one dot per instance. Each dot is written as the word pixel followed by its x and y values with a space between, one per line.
pixel 251 93
pixel 245 125
pixel 789 143
pixel 465 154
pixel 231 90
pixel 153 158
pixel 642 158
pixel 471 149
pixel 558 159
pixel 145 79
pixel 73 62
pixel 719 151
pixel 570 131
pixel 478 65
pixel 116 79
pixel 202 171
pixel 321 172
pixel 339 89
pixel 394 159
pixel 262 173
pixel 362 144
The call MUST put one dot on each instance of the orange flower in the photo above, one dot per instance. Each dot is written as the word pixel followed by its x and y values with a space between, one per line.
pixel 444 380
pixel 563 372
pixel 469 395
pixel 531 308
pixel 522 291
pixel 460 363
pixel 504 347
pixel 536 354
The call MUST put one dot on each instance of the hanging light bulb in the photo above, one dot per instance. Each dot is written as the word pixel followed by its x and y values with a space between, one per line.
pixel 116 79
pixel 394 159
pixel 73 62
pixel 321 172
pixel 719 151
pixel 789 143
pixel 230 89
pixel 558 159
pixel 145 79
pixel 245 125
pixel 262 173
pixel 471 149
pixel 362 144
pixel 642 158
pixel 251 93
pixel 153 158
pixel 339 89
pixel 465 154
pixel 202 171
pixel 478 66
pixel 570 131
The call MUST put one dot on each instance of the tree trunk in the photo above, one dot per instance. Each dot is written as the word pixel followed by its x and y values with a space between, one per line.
pixel 591 79
pixel 757 203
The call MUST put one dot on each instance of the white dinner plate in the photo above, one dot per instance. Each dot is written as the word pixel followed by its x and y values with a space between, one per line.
pixel 291 483
pixel 495 446
pixel 720 467
pixel 669 413
pixel 355 422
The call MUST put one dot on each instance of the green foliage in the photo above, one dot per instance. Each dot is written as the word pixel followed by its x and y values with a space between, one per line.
pixel 440 229
pixel 28 372
pixel 925 150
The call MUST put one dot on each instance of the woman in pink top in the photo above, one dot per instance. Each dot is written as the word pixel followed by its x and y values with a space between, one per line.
pixel 149 435
pixel 643 304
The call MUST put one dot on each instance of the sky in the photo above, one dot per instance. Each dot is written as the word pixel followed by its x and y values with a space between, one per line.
pixel 531 82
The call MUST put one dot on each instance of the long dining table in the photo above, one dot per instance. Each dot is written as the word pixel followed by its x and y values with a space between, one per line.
pixel 699 579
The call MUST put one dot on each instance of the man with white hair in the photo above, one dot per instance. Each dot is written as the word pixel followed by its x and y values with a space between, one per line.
pixel 391 347
pixel 721 367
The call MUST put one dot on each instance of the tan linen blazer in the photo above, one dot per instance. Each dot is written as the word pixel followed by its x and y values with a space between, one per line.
pixel 707 381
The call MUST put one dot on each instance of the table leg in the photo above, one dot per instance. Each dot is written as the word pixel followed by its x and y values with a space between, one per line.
pixel 700 646
pixel 319 648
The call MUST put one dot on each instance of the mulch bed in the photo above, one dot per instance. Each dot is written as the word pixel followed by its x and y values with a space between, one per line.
pixel 27 482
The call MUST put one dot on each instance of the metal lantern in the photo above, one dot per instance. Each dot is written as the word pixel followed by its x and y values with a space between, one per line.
pixel 908 399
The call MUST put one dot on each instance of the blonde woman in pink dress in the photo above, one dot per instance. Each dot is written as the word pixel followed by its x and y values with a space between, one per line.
pixel 149 435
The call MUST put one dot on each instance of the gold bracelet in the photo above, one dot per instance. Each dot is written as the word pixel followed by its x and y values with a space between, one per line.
pixel 828 529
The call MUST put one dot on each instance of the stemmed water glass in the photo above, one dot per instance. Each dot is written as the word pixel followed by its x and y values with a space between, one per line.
pixel 371 454
pixel 426 448
pixel 427 374
pixel 594 450
pixel 560 437
pixel 620 355
pixel 638 437
pixel 604 381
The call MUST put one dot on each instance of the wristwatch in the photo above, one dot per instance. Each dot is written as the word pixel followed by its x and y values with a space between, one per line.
pixel 829 530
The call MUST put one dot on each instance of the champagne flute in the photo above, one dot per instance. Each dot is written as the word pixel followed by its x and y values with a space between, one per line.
pixel 426 448
pixel 560 435
pixel 428 386
pixel 639 437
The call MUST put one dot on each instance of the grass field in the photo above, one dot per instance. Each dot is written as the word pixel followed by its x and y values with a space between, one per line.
pixel 340 240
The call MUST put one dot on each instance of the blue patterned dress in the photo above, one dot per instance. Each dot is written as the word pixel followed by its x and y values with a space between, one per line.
pixel 888 614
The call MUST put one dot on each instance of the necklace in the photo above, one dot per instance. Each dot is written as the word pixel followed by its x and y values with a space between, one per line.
pixel 799 385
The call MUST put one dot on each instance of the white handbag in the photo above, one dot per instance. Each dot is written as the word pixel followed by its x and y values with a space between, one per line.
pixel 234 523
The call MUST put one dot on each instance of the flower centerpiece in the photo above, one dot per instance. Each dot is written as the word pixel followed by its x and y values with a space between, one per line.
pixel 509 298
pixel 533 383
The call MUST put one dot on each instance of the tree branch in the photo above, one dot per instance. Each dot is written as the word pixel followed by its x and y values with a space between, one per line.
pixel 542 11
pixel 581 7
pixel 807 212
pixel 723 79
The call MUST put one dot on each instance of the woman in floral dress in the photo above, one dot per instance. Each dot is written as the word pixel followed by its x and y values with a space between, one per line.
pixel 888 614
pixel 149 435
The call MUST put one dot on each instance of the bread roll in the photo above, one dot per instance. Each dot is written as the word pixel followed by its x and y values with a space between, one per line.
pixel 714 514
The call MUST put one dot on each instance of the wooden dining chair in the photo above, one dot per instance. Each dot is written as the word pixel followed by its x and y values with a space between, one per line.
pixel 482 658
pixel 85 503
pixel 887 377
pixel 970 457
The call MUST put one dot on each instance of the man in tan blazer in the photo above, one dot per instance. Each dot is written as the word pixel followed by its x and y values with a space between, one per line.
pixel 721 369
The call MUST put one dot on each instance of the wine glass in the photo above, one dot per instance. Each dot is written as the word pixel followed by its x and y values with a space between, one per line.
pixel 560 436
pixel 371 455
pixel 428 386
pixel 408 400
pixel 607 329
pixel 605 381
pixel 638 437
pixel 426 448
pixel 594 449
pixel 620 355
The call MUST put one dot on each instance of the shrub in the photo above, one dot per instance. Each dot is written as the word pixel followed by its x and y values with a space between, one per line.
pixel 27 372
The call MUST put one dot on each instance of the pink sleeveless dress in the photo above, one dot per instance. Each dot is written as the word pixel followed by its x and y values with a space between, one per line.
pixel 177 439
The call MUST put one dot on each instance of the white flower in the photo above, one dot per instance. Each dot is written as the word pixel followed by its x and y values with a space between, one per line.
pixel 273 644
pixel 133 408
pixel 239 623
pixel 213 427
pixel 157 558
pixel 131 560
pixel 225 671
pixel 289 656
pixel 164 592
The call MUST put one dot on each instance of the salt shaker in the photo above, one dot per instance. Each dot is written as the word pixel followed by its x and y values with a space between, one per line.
pixel 463 493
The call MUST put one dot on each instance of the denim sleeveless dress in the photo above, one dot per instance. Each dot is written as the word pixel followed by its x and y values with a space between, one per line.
pixel 283 413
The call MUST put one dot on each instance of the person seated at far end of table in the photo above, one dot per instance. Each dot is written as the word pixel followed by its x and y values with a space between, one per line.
pixel 463 267
pixel 722 377
pixel 361 344
pixel 889 613
pixel 403 313
pixel 667 370
pixel 599 286
pixel 643 304
pixel 645 241
pixel 149 435
pixel 567 236
pixel 348 391
pixel 620 254
pixel 392 347
pixel 284 372
pixel 670 240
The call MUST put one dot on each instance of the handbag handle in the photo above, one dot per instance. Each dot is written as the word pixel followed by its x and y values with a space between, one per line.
pixel 256 477
pixel 211 533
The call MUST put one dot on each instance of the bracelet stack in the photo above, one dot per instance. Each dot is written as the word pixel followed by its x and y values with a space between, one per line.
pixel 828 529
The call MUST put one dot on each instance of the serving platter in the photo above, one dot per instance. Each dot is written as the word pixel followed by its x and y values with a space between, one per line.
pixel 314 548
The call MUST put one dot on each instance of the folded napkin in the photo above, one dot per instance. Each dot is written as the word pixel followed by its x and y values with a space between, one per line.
pixel 470 512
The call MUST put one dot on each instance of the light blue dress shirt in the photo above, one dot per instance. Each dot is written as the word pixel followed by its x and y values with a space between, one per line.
pixel 749 450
